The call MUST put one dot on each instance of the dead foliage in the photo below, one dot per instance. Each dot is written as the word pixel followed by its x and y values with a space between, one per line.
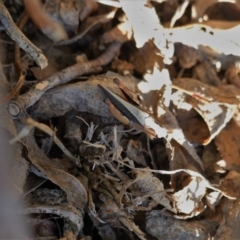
pixel 124 117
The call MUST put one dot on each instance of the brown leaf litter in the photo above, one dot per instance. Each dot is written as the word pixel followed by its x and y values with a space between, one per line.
pixel 124 119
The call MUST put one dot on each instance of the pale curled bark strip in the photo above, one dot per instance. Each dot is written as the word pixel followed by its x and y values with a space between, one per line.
pixel 28 99
pixel 21 40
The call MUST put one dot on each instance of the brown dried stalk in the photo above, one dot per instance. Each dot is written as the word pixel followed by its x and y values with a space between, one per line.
pixel 21 40
pixel 28 99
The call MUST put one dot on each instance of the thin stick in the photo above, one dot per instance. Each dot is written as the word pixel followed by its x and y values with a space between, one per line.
pixel 21 40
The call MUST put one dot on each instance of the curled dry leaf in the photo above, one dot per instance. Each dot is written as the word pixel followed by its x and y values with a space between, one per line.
pixel 199 184
pixel 227 143
pixel 175 132
pixel 188 201
pixel 54 202
pixel 229 227
pixel 76 193
pixel 215 106
pixel 162 225
pixel 215 115
pixel 180 160
pixel 193 126
pixel 204 92
pixel 200 6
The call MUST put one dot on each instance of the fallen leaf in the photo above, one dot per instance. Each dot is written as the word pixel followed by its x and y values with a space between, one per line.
pixel 227 143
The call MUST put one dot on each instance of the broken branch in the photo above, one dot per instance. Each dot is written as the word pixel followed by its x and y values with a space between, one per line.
pixel 21 40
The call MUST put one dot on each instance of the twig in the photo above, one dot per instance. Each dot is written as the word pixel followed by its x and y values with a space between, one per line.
pixel 28 99
pixel 17 57
pixel 21 40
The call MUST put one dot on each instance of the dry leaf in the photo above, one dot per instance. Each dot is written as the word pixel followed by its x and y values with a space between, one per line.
pixel 162 225
pixel 227 143
pixel 54 202
pixel 146 183
pixel 229 227
pixel 215 115
pixel 76 193
pixel 204 92
pixel 19 170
